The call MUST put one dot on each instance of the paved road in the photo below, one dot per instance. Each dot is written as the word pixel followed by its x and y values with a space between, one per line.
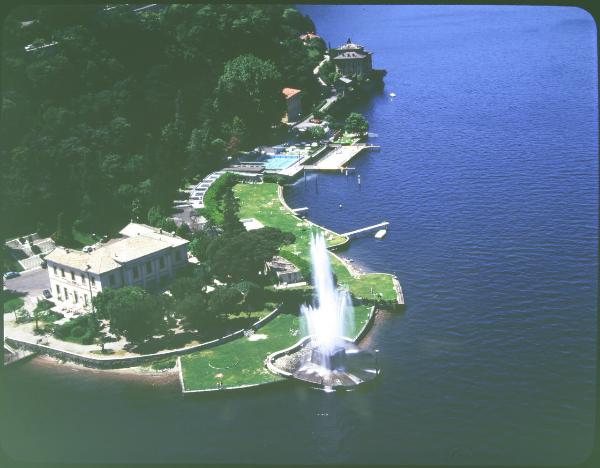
pixel 32 282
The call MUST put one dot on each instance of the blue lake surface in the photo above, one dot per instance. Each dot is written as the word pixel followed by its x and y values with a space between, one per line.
pixel 488 174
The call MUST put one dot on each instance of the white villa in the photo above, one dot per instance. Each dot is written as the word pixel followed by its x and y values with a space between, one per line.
pixel 145 257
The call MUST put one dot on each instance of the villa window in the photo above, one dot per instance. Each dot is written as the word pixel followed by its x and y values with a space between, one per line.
pixel 72 276
pixel 55 271
pixel 111 279
pixel 148 267
pixel 82 279
pixel 161 263
pixel 57 290
pixel 62 272
pixel 177 255
pixel 93 281
pixel 75 298
pixel 66 293
pixel 136 272
pixel 85 299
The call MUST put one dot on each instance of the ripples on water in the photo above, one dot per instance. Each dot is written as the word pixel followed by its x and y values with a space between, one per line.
pixel 488 175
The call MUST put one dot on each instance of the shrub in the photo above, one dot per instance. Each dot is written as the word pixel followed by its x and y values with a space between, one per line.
pixel 77 331
pixel 276 178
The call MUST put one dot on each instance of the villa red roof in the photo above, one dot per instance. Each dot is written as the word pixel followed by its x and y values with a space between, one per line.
pixel 290 92
pixel 307 36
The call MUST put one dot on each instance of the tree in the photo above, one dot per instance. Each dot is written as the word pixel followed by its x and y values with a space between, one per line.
pixel 183 230
pixel 64 231
pixel 315 133
pixel 251 87
pixel 136 209
pixel 231 222
pixel 183 287
pixel 133 312
pixel 243 256
pixel 357 123
pixel 254 295
pixel 155 216
pixel 223 301
pixel 194 311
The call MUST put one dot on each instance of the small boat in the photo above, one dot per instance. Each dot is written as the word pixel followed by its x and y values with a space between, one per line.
pixel 392 94
pixel 379 234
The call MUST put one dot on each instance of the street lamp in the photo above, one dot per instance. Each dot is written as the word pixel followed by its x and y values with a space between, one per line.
pixel 377 361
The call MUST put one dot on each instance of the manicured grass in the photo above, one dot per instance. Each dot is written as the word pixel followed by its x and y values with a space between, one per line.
pixel 346 139
pixel 242 361
pixel 13 304
pixel 260 201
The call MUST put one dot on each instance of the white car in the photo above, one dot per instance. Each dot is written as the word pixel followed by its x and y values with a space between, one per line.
pixel 88 249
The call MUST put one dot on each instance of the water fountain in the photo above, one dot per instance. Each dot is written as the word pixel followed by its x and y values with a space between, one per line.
pixel 327 357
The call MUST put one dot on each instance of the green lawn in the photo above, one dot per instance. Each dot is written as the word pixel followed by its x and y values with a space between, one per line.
pixel 346 139
pixel 242 361
pixel 260 201
pixel 13 304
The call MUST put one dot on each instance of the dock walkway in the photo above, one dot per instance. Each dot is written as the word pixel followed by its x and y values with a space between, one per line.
pixel 365 229
pixel 339 157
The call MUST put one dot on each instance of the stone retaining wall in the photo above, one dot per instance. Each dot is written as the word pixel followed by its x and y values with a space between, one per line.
pixel 271 358
pixel 118 363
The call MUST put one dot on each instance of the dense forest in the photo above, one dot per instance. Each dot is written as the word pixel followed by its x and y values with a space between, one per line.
pixel 111 119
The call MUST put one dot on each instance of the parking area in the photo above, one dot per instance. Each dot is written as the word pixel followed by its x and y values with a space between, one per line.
pixel 31 282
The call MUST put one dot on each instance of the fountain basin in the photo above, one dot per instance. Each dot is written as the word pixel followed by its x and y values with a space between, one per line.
pixel 349 365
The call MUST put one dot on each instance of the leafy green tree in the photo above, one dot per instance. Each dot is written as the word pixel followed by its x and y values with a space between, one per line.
pixel 251 87
pixel 243 256
pixel 183 230
pixel 168 225
pixel 200 245
pixel 182 287
pixel 357 123
pixel 155 216
pixel 315 133
pixel 224 300
pixel 195 312
pixel 64 231
pixel 133 312
pixel 136 209
pixel 254 294
pixel 231 222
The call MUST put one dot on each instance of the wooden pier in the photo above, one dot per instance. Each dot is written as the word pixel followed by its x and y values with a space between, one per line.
pixel 366 229
pixel 300 210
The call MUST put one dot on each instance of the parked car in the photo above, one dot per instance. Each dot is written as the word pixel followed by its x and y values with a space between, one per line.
pixel 11 274
pixel 44 264
pixel 88 248
pixel 46 293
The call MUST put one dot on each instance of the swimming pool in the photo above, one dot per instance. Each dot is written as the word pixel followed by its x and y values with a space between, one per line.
pixel 278 162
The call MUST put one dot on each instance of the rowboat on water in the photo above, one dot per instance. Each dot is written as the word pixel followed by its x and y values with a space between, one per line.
pixel 379 234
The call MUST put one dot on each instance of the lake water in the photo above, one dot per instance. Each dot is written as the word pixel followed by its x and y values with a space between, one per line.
pixel 488 174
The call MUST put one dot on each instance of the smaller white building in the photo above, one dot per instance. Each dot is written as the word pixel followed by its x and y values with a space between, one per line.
pixel 145 257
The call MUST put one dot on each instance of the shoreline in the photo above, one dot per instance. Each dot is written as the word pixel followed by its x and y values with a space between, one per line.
pixel 129 373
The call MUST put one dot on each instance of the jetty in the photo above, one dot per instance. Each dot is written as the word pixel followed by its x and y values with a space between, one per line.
pixel 366 229
pixel 300 210
pixel 337 159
